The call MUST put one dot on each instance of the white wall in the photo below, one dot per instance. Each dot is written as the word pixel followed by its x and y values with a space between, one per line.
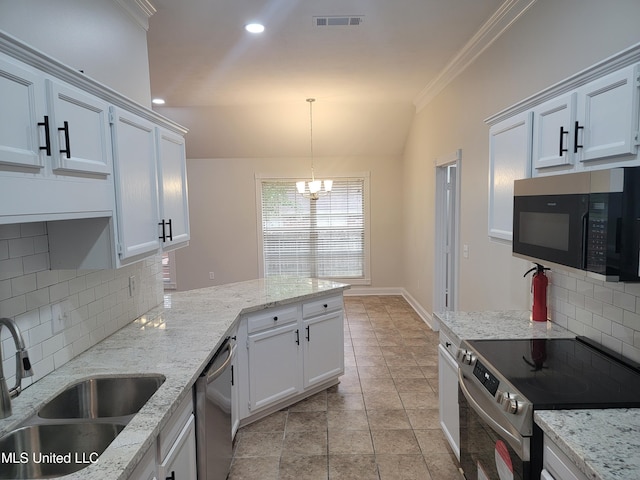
pixel 223 215
pixel 98 37
pixel 551 41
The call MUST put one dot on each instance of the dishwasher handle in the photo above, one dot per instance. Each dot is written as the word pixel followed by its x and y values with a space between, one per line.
pixel 230 349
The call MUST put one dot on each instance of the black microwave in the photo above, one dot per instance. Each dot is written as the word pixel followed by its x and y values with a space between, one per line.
pixel 587 220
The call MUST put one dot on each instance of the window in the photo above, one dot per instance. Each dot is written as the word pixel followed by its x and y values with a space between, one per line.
pixel 324 238
pixel 169 270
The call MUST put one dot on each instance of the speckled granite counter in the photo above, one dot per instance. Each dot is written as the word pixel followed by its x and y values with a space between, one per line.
pixel 603 444
pixel 176 340
pixel 498 324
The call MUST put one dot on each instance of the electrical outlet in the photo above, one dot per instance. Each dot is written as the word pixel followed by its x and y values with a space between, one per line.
pixel 211 276
pixel 133 286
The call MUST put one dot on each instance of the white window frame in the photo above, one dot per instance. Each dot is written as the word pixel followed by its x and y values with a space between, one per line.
pixel 366 279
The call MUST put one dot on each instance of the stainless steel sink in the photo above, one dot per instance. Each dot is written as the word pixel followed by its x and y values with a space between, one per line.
pixel 52 450
pixel 101 397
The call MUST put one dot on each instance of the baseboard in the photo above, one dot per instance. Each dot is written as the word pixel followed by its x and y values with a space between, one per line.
pixel 417 307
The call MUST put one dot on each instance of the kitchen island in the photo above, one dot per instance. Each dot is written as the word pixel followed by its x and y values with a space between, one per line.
pixel 603 444
pixel 177 340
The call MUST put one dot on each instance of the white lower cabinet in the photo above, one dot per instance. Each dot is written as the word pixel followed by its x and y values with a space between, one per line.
pixel 177 445
pixel 274 357
pixel 323 348
pixel 448 393
pixel 557 465
pixel 286 353
pixel 146 468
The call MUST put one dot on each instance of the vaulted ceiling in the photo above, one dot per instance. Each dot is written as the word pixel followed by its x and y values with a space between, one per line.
pixel 244 94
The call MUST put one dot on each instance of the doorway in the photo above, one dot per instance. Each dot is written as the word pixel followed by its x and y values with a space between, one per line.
pixel 447 232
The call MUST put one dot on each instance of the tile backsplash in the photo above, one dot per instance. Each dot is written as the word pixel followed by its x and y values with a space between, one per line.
pixel 606 312
pixel 62 313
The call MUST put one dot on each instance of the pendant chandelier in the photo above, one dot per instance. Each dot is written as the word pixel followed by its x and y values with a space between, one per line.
pixel 313 189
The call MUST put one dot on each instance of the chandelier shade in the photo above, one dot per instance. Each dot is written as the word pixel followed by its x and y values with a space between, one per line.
pixel 313 189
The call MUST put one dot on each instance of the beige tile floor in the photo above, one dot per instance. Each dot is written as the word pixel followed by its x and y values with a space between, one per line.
pixel 380 422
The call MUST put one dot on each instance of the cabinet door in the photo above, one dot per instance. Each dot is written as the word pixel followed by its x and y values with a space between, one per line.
pixel 274 366
pixel 21 111
pixel 509 160
pixel 136 184
pixel 323 348
pixel 180 462
pixel 79 131
pixel 448 399
pixel 552 125
pixel 172 183
pixel 607 116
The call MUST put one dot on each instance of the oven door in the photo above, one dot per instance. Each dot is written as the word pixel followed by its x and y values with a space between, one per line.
pixel 490 447
pixel 551 228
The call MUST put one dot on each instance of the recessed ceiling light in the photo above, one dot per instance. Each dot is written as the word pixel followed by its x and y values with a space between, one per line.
pixel 254 27
pixel 158 101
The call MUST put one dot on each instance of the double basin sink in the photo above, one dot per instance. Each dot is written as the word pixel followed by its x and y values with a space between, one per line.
pixel 71 430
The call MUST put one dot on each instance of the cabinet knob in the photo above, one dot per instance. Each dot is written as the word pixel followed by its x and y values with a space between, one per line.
pixel 447 344
pixel 275 319
pixel 325 305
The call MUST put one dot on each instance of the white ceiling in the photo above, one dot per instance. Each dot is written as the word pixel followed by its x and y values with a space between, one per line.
pixel 200 56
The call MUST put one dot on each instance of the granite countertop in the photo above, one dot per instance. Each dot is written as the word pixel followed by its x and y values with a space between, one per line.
pixel 177 340
pixel 603 444
pixel 499 324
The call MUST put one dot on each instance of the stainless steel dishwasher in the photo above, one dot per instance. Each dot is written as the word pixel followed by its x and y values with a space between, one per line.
pixel 213 414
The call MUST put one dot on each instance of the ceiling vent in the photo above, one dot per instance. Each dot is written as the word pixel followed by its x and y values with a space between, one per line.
pixel 338 21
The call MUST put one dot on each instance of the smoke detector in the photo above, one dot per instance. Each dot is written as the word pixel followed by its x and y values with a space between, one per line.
pixel 338 21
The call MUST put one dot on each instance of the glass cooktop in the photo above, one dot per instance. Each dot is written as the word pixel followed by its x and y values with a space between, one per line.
pixel 561 373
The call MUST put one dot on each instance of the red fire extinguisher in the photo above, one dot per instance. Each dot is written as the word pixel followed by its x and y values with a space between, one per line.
pixel 539 284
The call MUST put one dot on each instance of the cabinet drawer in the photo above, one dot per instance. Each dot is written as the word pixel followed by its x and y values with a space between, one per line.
pixel 272 317
pixel 324 305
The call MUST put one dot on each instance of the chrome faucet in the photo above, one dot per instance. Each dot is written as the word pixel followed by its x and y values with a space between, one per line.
pixel 23 368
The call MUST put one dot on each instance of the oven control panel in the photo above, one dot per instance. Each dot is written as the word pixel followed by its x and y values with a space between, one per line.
pixel 486 378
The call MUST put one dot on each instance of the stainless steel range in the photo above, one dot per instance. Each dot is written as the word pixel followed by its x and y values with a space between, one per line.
pixel 502 383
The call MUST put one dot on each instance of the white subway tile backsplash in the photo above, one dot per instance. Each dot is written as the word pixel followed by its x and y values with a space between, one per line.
pixel 609 313
pixel 88 305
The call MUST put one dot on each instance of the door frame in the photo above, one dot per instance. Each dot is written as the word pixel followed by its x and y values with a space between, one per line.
pixel 441 220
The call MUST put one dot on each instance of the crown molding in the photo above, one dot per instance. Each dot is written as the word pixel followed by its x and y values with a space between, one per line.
pixel 499 23
pixel 139 10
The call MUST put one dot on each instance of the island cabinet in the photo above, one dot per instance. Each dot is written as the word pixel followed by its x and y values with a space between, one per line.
pixel 286 353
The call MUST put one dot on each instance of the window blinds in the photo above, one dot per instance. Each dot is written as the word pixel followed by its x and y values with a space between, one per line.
pixel 315 238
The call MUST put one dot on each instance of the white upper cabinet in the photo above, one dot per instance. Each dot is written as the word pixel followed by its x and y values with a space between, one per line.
pixel 172 185
pixel 509 160
pixel 21 97
pixel 552 122
pixel 607 116
pixel 136 185
pixel 79 130
pixel 593 126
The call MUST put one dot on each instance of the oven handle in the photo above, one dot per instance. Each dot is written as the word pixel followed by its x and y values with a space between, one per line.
pixel 517 442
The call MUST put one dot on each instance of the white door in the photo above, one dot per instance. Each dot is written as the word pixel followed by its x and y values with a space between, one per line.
pixel 136 185
pixel 79 128
pixel 172 184
pixel 608 116
pixel 274 365
pixel 446 231
pixel 323 348
pixel 22 120
pixel 553 123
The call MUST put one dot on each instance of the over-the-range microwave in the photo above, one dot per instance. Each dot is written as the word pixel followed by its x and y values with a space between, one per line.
pixel 586 220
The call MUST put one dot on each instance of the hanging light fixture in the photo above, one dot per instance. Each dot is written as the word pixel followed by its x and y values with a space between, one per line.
pixel 313 189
